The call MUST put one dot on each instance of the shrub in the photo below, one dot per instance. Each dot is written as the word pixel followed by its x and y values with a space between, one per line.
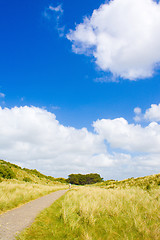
pixel 158 183
pixel 27 179
pixel 6 172
pixel 148 187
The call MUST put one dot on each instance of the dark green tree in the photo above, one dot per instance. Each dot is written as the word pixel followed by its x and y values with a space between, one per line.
pixel 81 179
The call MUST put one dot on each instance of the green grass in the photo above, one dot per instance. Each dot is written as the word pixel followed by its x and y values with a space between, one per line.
pixel 92 213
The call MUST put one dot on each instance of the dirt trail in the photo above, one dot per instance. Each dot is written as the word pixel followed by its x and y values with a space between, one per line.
pixel 14 221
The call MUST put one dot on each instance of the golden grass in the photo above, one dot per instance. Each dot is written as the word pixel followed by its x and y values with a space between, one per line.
pixel 91 213
pixel 14 193
pixel 147 182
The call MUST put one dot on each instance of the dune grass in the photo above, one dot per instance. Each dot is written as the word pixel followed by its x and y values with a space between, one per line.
pixel 14 193
pixel 91 213
pixel 146 183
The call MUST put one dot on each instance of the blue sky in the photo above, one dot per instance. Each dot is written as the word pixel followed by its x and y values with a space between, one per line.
pixel 39 67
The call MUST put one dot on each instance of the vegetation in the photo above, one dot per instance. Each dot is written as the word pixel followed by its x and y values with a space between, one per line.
pixel 15 193
pixel 12 171
pixel 80 179
pixel 6 172
pixel 18 186
pixel 99 214
pixel 27 179
pixel 146 183
pixel 128 209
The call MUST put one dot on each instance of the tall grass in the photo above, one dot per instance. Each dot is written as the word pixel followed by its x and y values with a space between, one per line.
pixel 146 182
pixel 100 214
pixel 14 193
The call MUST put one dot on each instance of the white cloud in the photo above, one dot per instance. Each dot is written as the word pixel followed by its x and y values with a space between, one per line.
pixel 138 113
pixel 133 138
pixel 2 95
pixel 32 135
pixel 33 138
pixel 123 36
pixel 153 113
pixel 137 118
pixel 56 9
pixel 55 13
pixel 137 110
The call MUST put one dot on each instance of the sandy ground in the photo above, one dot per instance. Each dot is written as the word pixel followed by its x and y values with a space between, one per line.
pixel 14 221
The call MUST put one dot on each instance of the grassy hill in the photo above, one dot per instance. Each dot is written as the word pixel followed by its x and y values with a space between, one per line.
pixel 147 182
pixel 21 185
pixel 12 171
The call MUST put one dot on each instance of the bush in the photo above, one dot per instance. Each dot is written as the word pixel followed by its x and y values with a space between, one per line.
pixel 27 179
pixel 6 172
pixel 158 183
pixel 148 187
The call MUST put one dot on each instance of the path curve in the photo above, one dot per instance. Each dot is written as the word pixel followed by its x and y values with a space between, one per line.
pixel 14 221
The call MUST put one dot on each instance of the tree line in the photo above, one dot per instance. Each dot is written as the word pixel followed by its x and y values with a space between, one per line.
pixel 82 179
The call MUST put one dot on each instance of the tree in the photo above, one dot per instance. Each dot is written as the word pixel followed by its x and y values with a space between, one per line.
pixel 81 179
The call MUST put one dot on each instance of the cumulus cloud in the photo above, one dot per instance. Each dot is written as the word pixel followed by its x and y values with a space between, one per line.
pixel 32 137
pixel 133 138
pixel 153 113
pixel 123 36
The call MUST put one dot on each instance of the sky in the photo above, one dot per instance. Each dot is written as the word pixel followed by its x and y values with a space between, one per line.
pixel 80 86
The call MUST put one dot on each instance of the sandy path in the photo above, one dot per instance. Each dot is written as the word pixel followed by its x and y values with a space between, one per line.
pixel 14 221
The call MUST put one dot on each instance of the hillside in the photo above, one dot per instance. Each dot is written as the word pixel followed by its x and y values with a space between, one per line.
pixel 21 185
pixel 146 182
pixel 12 171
